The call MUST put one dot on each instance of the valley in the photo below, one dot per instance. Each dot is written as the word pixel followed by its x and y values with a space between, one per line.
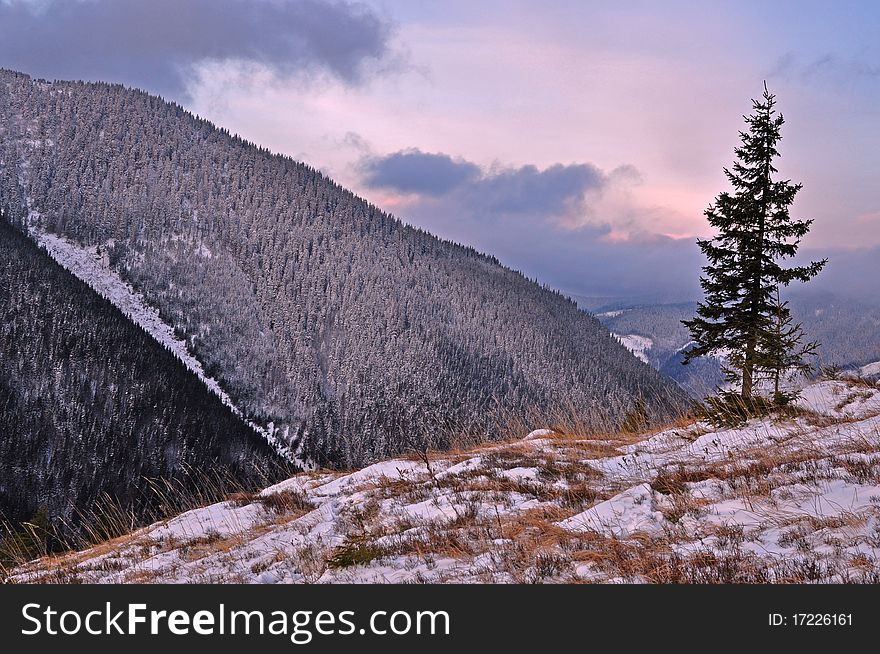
pixel 848 332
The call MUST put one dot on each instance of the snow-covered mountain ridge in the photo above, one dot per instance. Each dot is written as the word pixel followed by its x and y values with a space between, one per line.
pixel 788 499
pixel 356 334
pixel 636 344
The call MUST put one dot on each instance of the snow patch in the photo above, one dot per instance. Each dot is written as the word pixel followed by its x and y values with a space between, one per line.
pixel 538 433
pixel 624 514
pixel 636 344
pixel 520 474
pixel 870 370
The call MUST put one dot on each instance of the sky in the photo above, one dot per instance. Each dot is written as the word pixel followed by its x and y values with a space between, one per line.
pixel 579 142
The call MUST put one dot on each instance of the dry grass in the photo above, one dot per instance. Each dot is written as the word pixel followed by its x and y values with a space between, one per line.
pixel 497 518
pixel 675 481
pixel 289 502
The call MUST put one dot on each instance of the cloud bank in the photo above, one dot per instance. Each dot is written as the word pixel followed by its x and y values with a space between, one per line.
pixel 556 191
pixel 414 171
pixel 154 44
pixel 554 223
pixel 566 225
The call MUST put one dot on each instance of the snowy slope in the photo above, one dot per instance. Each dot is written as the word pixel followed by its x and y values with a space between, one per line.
pixel 872 370
pixel 638 345
pixel 790 499
pixel 94 269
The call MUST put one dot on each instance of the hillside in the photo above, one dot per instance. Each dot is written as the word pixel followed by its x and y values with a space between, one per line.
pixel 357 336
pixel 92 406
pixel 790 499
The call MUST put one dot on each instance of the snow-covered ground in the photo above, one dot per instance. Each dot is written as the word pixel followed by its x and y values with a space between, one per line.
pixel 796 498
pixel 638 345
pixel 870 371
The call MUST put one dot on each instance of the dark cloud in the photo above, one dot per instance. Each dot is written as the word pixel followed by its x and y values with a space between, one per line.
pixel 152 43
pixel 552 191
pixel 414 171
pixel 828 65
pixel 527 190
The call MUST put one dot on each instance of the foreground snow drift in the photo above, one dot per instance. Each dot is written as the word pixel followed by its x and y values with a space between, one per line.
pixel 794 499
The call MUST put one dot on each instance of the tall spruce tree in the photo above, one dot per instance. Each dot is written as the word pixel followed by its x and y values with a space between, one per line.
pixel 755 233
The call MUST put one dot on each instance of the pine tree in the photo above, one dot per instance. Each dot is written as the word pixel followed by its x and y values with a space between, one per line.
pixel 755 232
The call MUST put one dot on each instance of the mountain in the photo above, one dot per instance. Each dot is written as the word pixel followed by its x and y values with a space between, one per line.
pixel 848 333
pixel 358 337
pixel 655 333
pixel 784 499
pixel 92 407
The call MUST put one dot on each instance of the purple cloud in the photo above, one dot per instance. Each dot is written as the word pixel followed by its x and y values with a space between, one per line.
pixel 553 191
pixel 528 190
pixel 414 171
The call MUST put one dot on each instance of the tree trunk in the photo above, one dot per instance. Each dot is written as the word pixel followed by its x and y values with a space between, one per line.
pixel 752 347
pixel 748 368
pixel 777 361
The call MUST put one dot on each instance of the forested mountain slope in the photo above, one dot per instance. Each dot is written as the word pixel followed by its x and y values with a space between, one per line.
pixel 91 405
pixel 362 336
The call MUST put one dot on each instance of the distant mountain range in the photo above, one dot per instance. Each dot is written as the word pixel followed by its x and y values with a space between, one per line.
pixel 348 335
pixel 848 333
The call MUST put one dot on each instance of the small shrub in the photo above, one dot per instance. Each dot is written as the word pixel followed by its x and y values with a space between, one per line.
pixel 675 482
pixel 241 498
pixel 548 565
pixel 578 496
pixel 832 372
pixel 669 484
pixel 637 419
pixel 730 409
pixel 286 501
pixel 354 553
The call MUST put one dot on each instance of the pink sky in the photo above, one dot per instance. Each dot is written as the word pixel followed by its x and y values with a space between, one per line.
pixel 577 141
pixel 616 89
